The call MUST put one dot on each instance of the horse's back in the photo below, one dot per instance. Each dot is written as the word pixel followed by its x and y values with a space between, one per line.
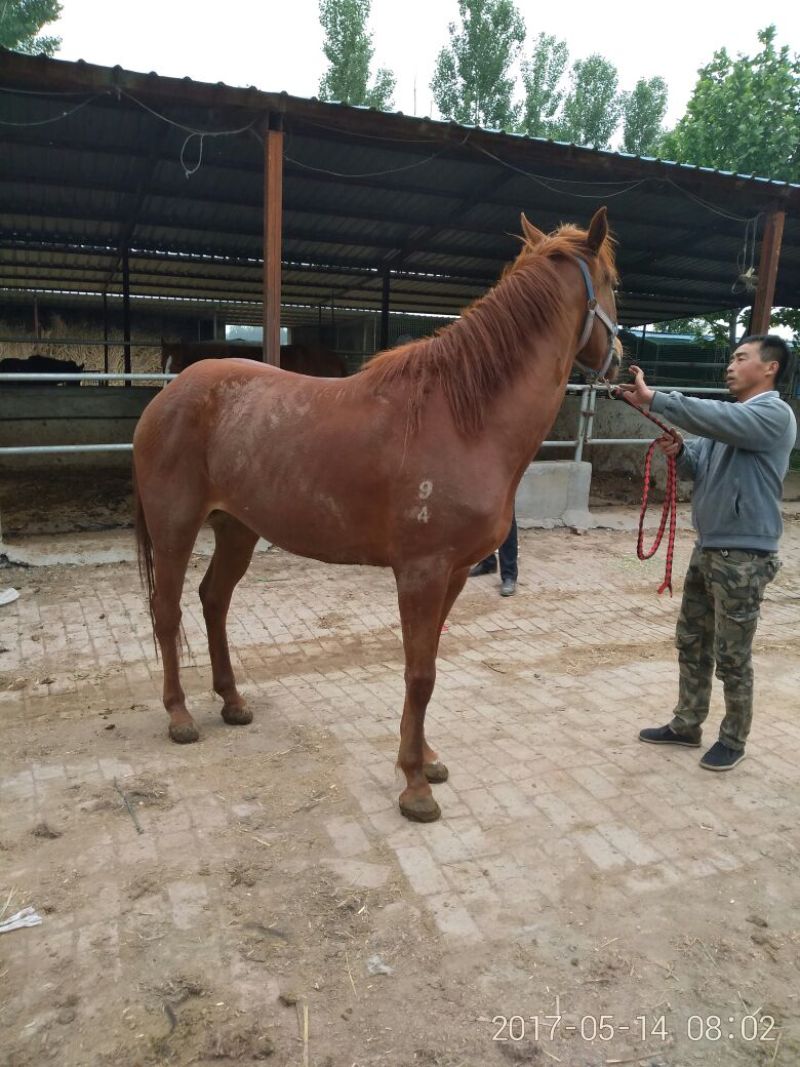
pixel 316 361
pixel 176 356
pixel 212 393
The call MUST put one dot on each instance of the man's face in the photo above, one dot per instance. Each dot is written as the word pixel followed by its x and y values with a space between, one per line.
pixel 748 374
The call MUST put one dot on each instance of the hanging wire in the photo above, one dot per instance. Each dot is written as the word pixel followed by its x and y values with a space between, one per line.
pixel 55 118
pixel 183 125
pixel 747 256
pixel 52 93
pixel 190 131
pixel 552 184
pixel 746 260
pixel 372 136
pixel 547 183
pixel 375 173
pixel 711 207
pixel 189 171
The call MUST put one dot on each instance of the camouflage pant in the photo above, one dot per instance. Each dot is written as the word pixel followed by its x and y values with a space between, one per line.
pixel 722 597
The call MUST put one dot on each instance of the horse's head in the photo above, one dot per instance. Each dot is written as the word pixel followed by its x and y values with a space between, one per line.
pixel 598 350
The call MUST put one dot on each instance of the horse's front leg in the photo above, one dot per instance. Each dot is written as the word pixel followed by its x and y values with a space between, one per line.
pixel 435 770
pixel 425 596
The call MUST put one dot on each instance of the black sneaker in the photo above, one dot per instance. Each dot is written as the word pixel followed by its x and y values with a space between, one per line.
pixel 665 735
pixel 484 567
pixel 721 758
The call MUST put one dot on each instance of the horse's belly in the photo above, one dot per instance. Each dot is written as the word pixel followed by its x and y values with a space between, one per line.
pixel 317 527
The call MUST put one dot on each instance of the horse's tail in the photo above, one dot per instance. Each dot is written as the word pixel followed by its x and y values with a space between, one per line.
pixel 144 553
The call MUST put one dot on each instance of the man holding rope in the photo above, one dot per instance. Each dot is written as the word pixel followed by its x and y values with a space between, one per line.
pixel 737 461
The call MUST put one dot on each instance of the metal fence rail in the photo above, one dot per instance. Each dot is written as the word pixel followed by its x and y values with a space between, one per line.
pixel 584 435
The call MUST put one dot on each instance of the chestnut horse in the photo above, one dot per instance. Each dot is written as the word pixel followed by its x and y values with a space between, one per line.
pixel 316 360
pixel 430 441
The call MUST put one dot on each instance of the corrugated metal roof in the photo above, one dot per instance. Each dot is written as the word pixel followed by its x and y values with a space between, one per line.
pixel 94 159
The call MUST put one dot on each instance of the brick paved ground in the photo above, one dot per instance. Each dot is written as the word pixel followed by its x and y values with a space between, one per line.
pixel 574 869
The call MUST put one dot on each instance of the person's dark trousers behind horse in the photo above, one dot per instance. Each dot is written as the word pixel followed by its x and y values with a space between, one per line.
pixel 508 553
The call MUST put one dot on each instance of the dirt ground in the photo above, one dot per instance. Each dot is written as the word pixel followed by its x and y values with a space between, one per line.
pixel 257 897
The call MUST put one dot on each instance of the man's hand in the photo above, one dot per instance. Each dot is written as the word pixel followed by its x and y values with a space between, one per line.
pixel 639 392
pixel 670 443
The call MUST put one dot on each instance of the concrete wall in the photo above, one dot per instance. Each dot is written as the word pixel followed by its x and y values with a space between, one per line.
pixel 554 493
pixel 70 414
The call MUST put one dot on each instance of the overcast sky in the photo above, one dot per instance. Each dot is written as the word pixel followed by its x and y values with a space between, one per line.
pixel 277 44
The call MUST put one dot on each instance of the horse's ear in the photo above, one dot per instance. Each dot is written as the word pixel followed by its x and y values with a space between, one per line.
pixel 532 235
pixel 598 229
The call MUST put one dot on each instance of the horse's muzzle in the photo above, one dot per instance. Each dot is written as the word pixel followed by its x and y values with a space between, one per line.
pixel 616 361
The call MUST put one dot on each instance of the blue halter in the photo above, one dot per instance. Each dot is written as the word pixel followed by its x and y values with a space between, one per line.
pixel 595 311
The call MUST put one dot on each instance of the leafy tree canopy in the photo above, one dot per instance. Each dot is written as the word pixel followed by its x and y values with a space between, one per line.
pixel 348 49
pixel 541 77
pixel 592 106
pixel 20 22
pixel 744 114
pixel 471 82
pixel 643 112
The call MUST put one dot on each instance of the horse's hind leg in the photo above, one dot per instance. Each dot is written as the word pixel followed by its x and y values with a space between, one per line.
pixel 234 544
pixel 169 567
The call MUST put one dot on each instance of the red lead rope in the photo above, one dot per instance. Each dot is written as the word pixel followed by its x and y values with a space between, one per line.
pixel 670 506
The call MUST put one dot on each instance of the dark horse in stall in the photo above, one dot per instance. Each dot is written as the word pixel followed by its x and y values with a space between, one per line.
pixel 315 360
pixel 430 439
pixel 37 364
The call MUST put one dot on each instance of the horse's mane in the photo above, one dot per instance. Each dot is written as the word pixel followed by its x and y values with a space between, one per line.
pixel 479 353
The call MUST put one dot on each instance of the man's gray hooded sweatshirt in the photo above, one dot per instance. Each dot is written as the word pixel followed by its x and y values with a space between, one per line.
pixel 738 463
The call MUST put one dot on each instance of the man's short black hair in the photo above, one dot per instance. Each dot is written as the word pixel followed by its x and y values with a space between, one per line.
pixel 771 347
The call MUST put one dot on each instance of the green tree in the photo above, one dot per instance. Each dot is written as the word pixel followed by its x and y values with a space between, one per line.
pixel 20 22
pixel 541 77
pixel 642 115
pixel 722 327
pixel 348 49
pixel 592 106
pixel 789 317
pixel 744 114
pixel 692 327
pixel 471 83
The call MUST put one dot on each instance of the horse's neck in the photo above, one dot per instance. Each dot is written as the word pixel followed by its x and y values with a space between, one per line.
pixel 521 414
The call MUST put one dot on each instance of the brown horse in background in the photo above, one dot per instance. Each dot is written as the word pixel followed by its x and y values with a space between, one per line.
pixel 315 360
pixel 430 441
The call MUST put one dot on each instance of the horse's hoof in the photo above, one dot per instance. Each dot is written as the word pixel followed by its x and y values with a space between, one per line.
pixel 436 772
pixel 183 733
pixel 236 715
pixel 420 809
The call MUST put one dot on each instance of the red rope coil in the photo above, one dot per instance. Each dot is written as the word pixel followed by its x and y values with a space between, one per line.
pixel 669 509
